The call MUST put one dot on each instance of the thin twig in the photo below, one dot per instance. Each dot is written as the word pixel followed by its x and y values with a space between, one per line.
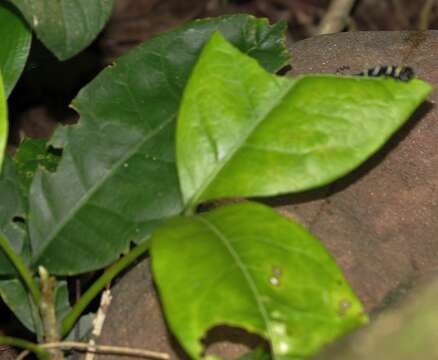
pixel 67 345
pixel 336 17
pixel 23 355
pixel 98 322
pixel 425 14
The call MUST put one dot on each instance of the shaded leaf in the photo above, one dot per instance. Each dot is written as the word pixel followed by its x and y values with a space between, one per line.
pixel 15 45
pixel 245 132
pixel 12 216
pixel 117 178
pixel 17 298
pixel 65 26
pixel 245 265
pixel 82 329
pixel 31 154
pixel 3 121
pixel 14 188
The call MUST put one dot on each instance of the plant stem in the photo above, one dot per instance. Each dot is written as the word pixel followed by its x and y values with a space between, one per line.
pixel 71 318
pixel 37 350
pixel 22 269
pixel 47 309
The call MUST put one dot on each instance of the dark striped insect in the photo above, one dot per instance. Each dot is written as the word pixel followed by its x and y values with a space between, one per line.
pixel 402 73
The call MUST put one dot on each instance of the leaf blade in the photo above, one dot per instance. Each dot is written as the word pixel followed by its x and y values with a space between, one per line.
pixel 12 216
pixel 3 121
pixel 126 181
pixel 237 121
pixel 245 265
pixel 17 298
pixel 16 39
pixel 67 26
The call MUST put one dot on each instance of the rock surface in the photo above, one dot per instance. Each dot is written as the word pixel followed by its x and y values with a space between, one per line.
pixel 380 222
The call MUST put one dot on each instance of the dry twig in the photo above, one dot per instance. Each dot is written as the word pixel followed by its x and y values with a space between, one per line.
pixel 336 17
pixel 117 350
pixel 425 13
pixel 98 321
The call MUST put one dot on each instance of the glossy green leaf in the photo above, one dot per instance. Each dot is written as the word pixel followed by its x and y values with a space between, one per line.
pixel 3 121
pixel 14 47
pixel 117 178
pixel 12 215
pixel 65 26
pixel 245 265
pixel 245 132
pixel 16 297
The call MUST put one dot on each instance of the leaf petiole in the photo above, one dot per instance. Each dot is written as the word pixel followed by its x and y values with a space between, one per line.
pixel 71 318
pixel 22 269
pixel 37 350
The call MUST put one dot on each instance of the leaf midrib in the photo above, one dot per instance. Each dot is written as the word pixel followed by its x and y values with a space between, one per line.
pixel 251 283
pixel 251 129
pixel 88 194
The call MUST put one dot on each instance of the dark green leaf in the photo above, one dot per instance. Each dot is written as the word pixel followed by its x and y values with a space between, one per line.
pixel 65 26
pixel 14 189
pixel 3 121
pixel 117 178
pixel 245 265
pixel 15 45
pixel 15 295
pixel 12 215
pixel 245 132
pixel 31 154
pixel 82 329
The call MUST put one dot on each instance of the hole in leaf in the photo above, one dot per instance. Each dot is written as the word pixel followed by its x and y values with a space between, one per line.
pixel 230 342
pixel 54 151
pixel 19 220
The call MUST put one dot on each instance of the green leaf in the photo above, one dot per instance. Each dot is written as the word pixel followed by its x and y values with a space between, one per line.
pixel 31 154
pixel 245 265
pixel 15 45
pixel 244 132
pixel 66 26
pixel 82 329
pixel 16 297
pixel 3 121
pixel 12 216
pixel 14 189
pixel 117 178
pixel 257 354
